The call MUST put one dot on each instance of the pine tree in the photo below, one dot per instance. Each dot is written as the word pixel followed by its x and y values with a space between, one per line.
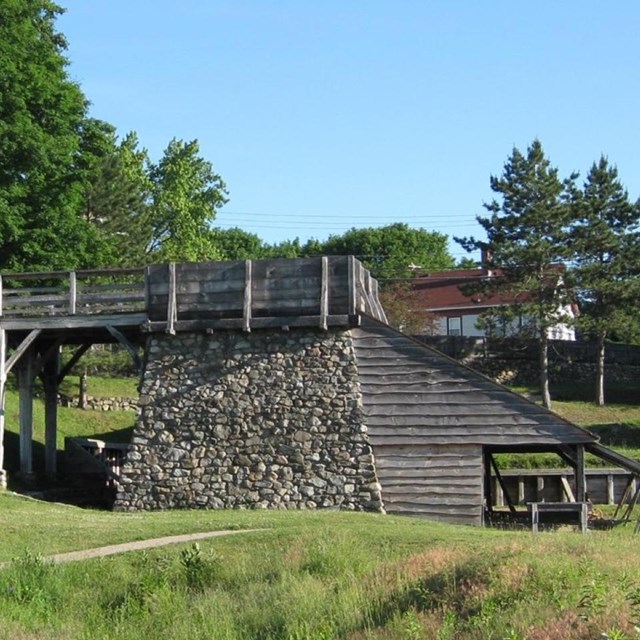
pixel 604 241
pixel 526 234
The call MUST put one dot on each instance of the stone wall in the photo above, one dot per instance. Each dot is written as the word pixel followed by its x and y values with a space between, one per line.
pixel 101 404
pixel 266 419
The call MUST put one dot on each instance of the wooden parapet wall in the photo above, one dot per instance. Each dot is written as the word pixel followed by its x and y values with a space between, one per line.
pixel 322 292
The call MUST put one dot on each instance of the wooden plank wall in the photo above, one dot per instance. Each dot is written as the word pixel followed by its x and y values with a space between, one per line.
pixel 439 482
pixel 428 418
pixel 280 287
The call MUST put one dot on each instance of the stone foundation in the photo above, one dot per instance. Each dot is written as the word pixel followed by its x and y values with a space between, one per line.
pixel 265 419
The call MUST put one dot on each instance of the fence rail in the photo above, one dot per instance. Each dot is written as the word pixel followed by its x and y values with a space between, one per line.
pixel 62 293
pixel 323 291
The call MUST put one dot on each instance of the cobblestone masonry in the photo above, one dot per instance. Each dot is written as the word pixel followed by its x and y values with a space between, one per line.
pixel 266 420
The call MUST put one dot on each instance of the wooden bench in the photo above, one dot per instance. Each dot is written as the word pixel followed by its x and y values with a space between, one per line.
pixel 575 513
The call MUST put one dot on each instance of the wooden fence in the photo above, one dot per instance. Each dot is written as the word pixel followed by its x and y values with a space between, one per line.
pixel 312 291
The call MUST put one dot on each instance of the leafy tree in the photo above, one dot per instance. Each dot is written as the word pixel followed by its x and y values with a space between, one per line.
pixel 42 114
pixel 117 201
pixel 399 302
pixel 390 252
pixel 526 231
pixel 606 254
pixel 237 244
pixel 185 193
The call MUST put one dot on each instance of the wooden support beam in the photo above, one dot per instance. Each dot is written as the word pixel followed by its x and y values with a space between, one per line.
pixel 247 303
pixel 521 494
pixel 352 285
pixel 22 348
pixel 122 339
pixel 80 351
pixel 172 300
pixel 581 483
pixel 25 391
pixel 503 486
pixel 51 371
pixel 324 294
pixel 488 497
pixel 73 293
pixel 3 383
pixel 566 489
pixel 611 498
pixel 540 489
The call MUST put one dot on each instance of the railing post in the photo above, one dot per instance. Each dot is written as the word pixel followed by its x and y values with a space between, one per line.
pixel 248 285
pixel 324 293
pixel 1 296
pixel 3 380
pixel 172 302
pixel 72 293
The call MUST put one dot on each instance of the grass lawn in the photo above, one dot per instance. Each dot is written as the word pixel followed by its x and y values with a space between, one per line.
pixel 311 575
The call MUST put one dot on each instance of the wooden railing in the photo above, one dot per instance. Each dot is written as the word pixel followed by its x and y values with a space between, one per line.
pixel 88 456
pixel 88 292
pixel 245 294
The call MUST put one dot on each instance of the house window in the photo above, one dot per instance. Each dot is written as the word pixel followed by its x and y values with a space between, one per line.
pixel 454 326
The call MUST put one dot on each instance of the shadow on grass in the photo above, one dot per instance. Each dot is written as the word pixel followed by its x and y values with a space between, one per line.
pixel 617 434
pixel 454 590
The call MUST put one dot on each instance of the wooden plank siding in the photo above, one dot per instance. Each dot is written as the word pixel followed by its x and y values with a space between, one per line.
pixel 429 420
pixel 246 294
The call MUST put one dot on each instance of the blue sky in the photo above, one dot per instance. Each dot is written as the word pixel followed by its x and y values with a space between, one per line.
pixel 328 114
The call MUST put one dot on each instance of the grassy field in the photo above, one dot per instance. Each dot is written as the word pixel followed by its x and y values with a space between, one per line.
pixel 311 576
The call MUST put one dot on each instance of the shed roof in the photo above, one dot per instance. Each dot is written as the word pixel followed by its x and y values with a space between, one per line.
pixel 413 394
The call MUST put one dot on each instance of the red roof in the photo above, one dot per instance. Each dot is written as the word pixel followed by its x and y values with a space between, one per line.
pixel 440 291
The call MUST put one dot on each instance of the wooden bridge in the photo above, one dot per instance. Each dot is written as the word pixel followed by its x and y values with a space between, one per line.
pixel 40 312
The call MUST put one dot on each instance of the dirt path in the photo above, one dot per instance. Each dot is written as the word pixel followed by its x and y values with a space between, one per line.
pixel 113 549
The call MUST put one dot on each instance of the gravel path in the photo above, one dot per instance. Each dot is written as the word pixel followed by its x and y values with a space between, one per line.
pixel 113 549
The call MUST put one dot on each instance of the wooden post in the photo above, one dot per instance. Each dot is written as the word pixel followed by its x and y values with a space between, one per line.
pixel 1 296
pixel 25 389
pixel 352 285
pixel 581 483
pixel 540 489
pixel 521 494
pixel 82 391
pixel 324 293
pixel 172 302
pixel 487 482
pixel 50 380
pixel 247 303
pixel 3 381
pixel 73 293
pixel 611 499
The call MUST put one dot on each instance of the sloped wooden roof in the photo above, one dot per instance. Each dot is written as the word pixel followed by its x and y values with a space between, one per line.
pixel 413 394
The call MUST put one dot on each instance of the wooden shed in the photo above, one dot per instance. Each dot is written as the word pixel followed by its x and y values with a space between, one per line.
pixel 435 426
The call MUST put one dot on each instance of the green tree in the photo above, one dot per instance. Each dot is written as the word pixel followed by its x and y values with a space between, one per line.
pixel 526 232
pixel 606 257
pixel 237 244
pixel 185 194
pixel 392 252
pixel 117 201
pixel 42 115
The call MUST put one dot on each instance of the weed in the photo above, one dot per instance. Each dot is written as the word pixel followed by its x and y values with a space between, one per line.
pixel 593 597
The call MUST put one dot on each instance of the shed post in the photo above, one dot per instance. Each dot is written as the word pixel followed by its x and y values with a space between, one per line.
pixel 25 390
pixel 488 498
pixel 3 381
pixel 581 483
pixel 51 370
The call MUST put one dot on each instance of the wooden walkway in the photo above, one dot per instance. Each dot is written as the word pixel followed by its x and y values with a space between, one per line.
pixel 41 312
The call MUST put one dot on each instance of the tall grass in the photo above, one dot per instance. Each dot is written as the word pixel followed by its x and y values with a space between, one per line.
pixel 352 576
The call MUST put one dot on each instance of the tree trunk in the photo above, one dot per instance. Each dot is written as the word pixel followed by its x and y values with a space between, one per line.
pixel 544 369
pixel 600 370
